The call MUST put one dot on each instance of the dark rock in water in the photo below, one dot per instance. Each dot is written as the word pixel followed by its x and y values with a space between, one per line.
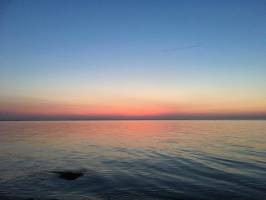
pixel 69 175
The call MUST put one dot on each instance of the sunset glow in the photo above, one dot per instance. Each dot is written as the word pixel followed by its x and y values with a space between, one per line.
pixel 81 62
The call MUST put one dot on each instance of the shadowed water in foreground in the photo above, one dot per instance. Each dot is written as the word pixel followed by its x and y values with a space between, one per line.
pixel 133 160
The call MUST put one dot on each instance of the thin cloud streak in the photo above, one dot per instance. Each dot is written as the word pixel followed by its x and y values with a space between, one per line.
pixel 180 48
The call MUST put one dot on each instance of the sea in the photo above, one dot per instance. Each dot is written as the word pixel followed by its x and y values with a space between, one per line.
pixel 138 160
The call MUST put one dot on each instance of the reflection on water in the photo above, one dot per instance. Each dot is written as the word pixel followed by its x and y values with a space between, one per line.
pixel 134 159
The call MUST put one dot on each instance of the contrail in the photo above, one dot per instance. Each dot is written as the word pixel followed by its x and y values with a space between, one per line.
pixel 181 48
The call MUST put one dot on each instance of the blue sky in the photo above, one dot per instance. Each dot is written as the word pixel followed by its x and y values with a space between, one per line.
pixel 83 52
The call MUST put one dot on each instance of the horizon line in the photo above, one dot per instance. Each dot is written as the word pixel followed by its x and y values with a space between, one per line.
pixel 61 120
pixel 136 119
pixel 228 116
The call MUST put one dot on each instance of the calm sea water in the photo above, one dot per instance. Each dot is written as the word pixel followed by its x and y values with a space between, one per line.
pixel 134 159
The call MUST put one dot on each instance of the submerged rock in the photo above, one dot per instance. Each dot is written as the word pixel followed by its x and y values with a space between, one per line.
pixel 69 175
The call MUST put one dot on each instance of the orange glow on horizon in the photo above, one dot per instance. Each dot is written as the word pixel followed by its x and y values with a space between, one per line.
pixel 122 108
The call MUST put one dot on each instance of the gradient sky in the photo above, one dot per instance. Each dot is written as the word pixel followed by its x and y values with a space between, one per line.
pixel 132 58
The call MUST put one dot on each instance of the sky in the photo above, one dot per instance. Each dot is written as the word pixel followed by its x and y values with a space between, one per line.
pixel 158 59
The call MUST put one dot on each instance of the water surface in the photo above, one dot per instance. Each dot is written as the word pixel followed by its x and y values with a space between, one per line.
pixel 133 159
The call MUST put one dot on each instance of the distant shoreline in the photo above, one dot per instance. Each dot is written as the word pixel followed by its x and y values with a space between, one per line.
pixel 185 119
